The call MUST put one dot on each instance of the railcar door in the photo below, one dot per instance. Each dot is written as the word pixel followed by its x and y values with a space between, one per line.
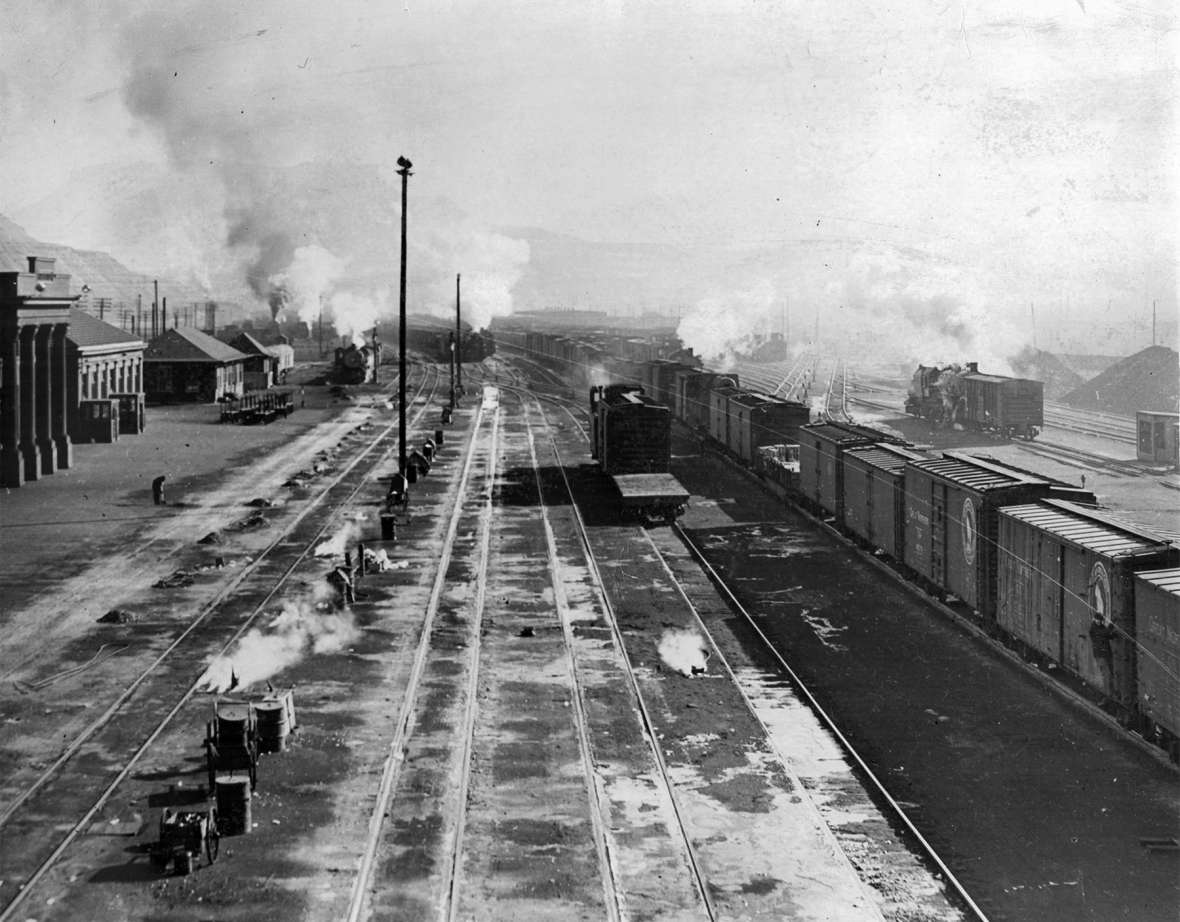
pixel 938 534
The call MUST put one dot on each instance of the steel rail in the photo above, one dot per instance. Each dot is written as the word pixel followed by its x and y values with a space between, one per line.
pixel 649 730
pixel 878 787
pixel 614 900
pixel 391 769
pixel 44 867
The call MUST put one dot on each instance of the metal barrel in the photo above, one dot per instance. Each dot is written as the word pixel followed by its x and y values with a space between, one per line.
pixel 233 805
pixel 273 725
pixel 233 722
pixel 438 437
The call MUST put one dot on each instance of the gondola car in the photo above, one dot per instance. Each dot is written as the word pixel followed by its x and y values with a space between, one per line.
pixel 631 439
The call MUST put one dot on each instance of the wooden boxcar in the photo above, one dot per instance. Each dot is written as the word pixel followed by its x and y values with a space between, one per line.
pixel 758 419
pixel 1157 634
pixel 952 521
pixel 1060 565
pixel 821 457
pixel 1010 406
pixel 693 388
pixel 874 494
pixel 719 398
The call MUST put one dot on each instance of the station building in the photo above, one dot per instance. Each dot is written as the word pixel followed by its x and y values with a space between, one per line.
pixel 105 380
pixel 184 364
pixel 34 372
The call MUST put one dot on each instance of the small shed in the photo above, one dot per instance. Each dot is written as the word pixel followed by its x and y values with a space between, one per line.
pixel 185 364
pixel 1158 437
pixel 952 520
pixel 821 457
pixel 1059 566
pixel 1157 634
pixel 874 494
pixel 259 370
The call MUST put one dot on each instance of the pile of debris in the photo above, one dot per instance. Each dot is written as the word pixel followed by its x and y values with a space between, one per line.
pixel 1147 380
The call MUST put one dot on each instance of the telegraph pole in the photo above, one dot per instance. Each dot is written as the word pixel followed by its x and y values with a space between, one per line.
pixel 458 337
pixel 402 458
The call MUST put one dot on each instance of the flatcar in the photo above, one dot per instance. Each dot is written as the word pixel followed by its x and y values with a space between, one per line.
pixel 961 395
pixel 631 439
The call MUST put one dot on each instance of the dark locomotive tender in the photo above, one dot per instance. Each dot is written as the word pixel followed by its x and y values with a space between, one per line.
pixel 947 519
pixel 631 438
pixel 961 395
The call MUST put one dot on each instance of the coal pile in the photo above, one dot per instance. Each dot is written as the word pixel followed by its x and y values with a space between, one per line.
pixel 1147 380
pixel 1042 366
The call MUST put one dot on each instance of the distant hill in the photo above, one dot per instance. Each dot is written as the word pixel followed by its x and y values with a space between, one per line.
pixel 105 276
pixel 1147 380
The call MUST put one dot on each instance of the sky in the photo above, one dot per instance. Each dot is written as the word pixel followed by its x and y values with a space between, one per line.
pixel 960 159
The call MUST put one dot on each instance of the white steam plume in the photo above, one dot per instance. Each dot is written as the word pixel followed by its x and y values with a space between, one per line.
pixel 340 542
pixel 297 631
pixel 683 651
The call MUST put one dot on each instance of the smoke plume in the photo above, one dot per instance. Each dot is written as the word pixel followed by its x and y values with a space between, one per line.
pixel 298 630
pixel 684 651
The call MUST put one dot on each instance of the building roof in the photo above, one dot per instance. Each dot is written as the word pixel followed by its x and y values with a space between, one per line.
pixel 188 344
pixel 88 332
pixel 246 343
pixel 1164 580
pixel 1091 532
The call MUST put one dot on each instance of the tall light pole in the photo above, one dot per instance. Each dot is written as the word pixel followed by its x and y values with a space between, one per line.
pixel 402 458
pixel 458 337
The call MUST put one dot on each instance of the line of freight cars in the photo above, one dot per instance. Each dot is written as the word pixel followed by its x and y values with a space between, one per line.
pixel 1063 582
pixel 1066 584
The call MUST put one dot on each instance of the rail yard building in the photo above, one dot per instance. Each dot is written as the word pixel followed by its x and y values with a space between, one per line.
pixel 34 388
pixel 184 364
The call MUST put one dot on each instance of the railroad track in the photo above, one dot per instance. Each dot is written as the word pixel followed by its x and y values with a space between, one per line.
pixel 142 710
pixel 705 862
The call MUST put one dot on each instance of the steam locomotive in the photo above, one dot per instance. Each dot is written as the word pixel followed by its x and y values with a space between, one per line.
pixel 961 395
pixel 356 364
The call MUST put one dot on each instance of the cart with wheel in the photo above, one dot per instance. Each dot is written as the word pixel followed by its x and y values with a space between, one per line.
pixel 184 836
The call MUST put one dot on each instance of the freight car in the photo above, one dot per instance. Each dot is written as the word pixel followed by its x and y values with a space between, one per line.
pixel 356 364
pixel 955 395
pixel 631 439
pixel 1157 639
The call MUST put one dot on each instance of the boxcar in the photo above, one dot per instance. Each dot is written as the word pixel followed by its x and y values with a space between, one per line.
pixel 821 456
pixel 874 495
pixel 951 510
pixel 1157 633
pixel 1010 406
pixel 1060 565
pixel 719 398
pixel 693 387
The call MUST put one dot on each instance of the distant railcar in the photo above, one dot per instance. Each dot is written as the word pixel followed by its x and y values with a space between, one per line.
pixel 955 395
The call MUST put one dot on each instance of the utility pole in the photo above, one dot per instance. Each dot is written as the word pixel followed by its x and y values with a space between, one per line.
pixel 458 337
pixel 402 458
pixel 321 325
pixel 164 316
pixel 155 308
pixel 451 337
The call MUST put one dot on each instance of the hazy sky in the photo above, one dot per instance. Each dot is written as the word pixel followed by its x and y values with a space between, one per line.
pixel 1031 145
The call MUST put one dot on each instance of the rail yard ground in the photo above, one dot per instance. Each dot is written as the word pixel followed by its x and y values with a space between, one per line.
pixel 469 742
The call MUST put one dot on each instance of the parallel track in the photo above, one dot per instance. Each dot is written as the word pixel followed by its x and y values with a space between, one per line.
pixel 345 484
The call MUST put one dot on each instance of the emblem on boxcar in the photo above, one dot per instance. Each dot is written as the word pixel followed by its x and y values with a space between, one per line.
pixel 1100 591
pixel 969 531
